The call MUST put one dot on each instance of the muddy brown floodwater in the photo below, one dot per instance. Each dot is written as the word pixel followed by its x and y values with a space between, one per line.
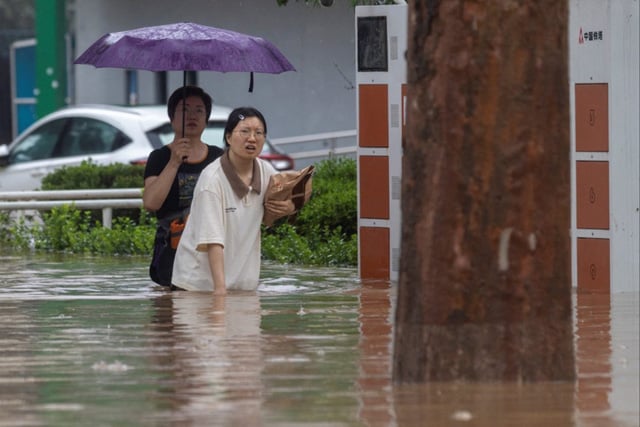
pixel 91 341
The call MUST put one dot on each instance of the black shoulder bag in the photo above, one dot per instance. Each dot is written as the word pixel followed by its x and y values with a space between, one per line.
pixel 164 247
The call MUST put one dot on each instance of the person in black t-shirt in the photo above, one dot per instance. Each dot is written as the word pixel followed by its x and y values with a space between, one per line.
pixel 172 171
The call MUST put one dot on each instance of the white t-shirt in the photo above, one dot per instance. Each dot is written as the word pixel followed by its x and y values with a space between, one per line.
pixel 219 216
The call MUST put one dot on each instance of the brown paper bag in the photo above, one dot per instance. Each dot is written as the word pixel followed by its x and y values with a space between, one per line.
pixel 288 185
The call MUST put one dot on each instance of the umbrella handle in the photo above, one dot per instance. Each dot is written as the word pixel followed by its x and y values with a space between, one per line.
pixel 184 98
pixel 184 107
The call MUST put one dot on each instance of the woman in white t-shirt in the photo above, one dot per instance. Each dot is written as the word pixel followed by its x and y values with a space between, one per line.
pixel 220 246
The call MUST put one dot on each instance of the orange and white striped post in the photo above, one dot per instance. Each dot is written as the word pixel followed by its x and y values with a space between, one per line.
pixel 381 40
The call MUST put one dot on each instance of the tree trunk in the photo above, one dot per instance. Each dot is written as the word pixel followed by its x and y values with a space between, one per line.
pixel 485 283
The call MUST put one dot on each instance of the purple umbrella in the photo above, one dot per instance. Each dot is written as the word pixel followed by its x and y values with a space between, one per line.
pixel 188 47
pixel 185 46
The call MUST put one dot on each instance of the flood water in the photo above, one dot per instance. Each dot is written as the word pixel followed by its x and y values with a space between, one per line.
pixel 91 341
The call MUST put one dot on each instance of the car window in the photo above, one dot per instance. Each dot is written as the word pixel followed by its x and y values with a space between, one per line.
pixel 267 148
pixel 89 136
pixel 39 144
pixel 212 134
pixel 163 133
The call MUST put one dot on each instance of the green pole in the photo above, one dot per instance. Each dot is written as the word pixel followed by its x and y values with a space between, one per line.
pixel 51 67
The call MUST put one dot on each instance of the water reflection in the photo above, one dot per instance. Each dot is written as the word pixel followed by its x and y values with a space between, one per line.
pixel 593 353
pixel 216 356
pixel 92 341
pixel 374 373
pixel 485 404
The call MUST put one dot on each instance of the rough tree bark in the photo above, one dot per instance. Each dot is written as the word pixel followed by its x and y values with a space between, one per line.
pixel 484 286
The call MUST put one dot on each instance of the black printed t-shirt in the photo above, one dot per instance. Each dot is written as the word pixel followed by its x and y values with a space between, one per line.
pixel 181 192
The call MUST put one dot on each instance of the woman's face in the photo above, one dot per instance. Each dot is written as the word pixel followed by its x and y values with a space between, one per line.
pixel 195 117
pixel 247 138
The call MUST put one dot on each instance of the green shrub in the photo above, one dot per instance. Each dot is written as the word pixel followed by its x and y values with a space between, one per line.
pixel 124 238
pixel 324 232
pixel 18 233
pixel 68 229
pixel 333 202
pixel 326 247
pixel 89 175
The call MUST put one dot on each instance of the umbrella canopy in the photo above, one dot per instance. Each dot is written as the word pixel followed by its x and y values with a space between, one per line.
pixel 187 47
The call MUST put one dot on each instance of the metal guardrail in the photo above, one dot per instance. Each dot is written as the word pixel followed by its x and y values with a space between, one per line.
pixel 107 200
pixel 324 145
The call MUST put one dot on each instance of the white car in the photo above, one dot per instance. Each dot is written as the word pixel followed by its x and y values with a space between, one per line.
pixel 105 134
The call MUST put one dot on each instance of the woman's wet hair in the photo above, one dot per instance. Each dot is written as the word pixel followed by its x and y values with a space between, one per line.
pixel 239 114
pixel 183 93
